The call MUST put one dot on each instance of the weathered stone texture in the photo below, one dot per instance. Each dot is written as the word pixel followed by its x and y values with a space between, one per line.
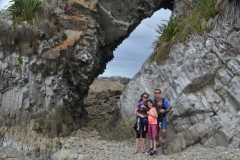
pixel 201 81
pixel 43 97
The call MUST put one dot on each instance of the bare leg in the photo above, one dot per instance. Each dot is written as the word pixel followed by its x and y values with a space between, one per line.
pixel 164 135
pixel 158 137
pixel 137 143
pixel 138 128
pixel 154 145
pixel 151 143
pixel 143 142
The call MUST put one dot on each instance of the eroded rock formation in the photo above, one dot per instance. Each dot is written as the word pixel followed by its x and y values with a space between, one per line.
pixel 201 80
pixel 43 96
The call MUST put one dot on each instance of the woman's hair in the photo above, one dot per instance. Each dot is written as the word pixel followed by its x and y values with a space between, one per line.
pixel 142 96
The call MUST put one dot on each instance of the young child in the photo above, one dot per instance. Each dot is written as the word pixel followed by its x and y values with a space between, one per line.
pixel 142 110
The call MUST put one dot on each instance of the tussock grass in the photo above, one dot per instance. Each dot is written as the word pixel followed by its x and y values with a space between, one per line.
pixel 46 28
pixel 22 37
pixel 197 24
pixel 178 28
pixel 45 12
pixel 206 8
pixel 24 34
pixel 6 32
pixel 25 37
pixel 171 32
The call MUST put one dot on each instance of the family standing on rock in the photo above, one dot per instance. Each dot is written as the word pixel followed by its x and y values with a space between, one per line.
pixel 151 120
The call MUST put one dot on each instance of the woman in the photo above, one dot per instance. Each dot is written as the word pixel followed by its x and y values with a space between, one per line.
pixel 152 126
pixel 140 133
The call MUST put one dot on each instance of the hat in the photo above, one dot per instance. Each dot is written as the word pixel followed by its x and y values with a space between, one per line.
pixel 141 102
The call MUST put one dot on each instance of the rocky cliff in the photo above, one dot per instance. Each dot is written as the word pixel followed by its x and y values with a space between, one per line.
pixel 201 80
pixel 44 77
pixel 46 69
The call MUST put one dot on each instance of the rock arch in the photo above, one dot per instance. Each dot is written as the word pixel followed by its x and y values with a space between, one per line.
pixel 44 96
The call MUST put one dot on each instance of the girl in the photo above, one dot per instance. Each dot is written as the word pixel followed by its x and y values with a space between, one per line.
pixel 152 126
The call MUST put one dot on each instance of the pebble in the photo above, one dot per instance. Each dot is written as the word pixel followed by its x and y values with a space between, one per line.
pixel 91 147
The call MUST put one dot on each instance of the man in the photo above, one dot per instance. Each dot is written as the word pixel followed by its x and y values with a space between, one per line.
pixel 163 109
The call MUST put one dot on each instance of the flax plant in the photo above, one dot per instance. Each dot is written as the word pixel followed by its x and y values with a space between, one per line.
pixel 171 32
pixel 23 10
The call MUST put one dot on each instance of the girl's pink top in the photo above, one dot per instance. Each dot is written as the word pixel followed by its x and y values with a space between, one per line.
pixel 151 119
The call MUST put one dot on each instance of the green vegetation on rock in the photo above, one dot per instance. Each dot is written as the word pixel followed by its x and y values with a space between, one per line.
pixel 64 36
pixel 172 32
pixel 19 62
pixel 206 8
pixel 23 10
pixel 178 28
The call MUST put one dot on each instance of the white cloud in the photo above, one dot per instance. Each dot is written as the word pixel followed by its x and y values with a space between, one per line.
pixel 132 53
pixel 3 3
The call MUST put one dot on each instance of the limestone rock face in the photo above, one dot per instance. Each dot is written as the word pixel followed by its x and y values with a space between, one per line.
pixel 43 96
pixel 201 80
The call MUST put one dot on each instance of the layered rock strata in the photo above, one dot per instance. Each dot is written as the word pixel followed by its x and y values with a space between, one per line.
pixel 201 81
pixel 43 95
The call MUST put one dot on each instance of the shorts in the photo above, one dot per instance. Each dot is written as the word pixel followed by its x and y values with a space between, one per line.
pixel 164 123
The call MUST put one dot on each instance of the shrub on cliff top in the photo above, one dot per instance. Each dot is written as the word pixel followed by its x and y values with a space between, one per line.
pixel 178 28
pixel 172 32
pixel 23 10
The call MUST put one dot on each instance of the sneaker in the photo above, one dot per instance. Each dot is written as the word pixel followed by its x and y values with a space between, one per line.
pixel 164 145
pixel 153 152
pixel 150 150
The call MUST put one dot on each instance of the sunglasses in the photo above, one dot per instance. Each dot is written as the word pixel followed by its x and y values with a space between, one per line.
pixel 144 97
pixel 157 92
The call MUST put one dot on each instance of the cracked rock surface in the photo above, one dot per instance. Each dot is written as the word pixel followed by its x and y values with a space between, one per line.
pixel 201 80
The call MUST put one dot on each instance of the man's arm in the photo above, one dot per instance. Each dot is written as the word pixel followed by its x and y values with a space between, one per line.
pixel 166 104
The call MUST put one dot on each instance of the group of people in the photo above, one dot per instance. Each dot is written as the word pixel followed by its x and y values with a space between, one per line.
pixel 151 120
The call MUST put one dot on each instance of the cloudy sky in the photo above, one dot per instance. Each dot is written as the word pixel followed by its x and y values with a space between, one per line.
pixel 131 54
pixel 3 3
